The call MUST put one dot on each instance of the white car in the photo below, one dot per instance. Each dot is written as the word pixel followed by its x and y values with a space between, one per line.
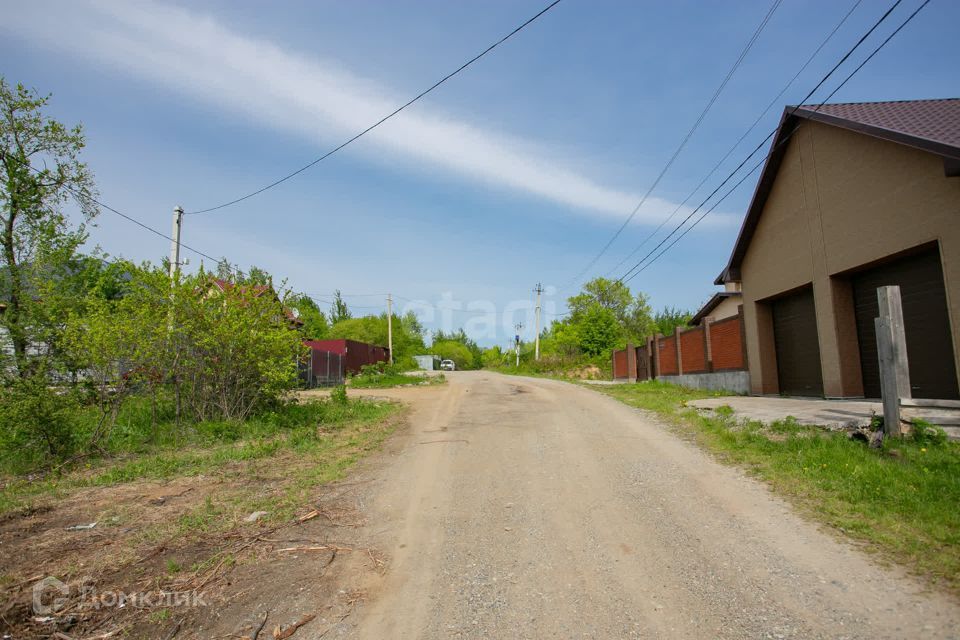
pixel 448 365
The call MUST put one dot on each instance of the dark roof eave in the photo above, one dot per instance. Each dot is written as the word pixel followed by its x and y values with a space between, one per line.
pixel 788 124
pixel 712 304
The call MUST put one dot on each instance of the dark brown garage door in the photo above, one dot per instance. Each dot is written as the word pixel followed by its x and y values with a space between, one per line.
pixel 925 319
pixel 797 347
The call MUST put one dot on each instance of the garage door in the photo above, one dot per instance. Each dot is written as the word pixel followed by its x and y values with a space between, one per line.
pixel 925 319
pixel 797 347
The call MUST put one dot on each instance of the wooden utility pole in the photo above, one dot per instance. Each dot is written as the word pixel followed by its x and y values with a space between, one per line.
pixel 538 290
pixel 390 328
pixel 892 354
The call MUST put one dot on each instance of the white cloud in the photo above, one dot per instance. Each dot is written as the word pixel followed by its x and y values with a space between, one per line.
pixel 193 54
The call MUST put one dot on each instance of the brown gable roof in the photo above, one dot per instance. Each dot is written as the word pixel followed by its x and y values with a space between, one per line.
pixel 930 125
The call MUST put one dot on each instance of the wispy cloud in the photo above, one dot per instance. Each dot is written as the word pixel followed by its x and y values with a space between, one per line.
pixel 191 53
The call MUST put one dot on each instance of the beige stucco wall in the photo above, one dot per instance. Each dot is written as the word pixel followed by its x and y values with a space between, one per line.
pixel 727 308
pixel 842 200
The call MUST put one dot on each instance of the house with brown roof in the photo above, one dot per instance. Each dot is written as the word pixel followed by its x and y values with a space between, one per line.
pixel 216 286
pixel 853 197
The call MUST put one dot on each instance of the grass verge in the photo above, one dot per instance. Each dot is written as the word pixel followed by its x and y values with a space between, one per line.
pixel 313 429
pixel 372 378
pixel 177 517
pixel 900 500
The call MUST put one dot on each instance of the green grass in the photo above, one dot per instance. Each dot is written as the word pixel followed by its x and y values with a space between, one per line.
pixel 388 379
pixel 312 429
pixel 556 368
pixel 901 499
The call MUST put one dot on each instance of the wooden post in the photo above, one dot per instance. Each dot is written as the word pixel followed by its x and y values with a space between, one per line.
pixel 892 355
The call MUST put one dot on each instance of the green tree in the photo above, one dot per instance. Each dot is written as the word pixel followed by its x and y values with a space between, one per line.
pixel 667 320
pixel 460 336
pixel 407 334
pixel 493 357
pixel 315 325
pixel 632 313
pixel 339 310
pixel 599 331
pixel 36 238
pixel 453 350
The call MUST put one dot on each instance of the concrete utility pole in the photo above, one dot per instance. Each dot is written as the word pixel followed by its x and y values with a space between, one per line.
pixel 516 341
pixel 175 241
pixel 390 327
pixel 892 355
pixel 538 290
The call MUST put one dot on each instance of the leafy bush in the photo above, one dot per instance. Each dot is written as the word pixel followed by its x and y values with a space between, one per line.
pixel 925 433
pixel 339 394
pixel 36 421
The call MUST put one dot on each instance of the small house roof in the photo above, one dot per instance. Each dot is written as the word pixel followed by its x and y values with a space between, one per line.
pixel 712 304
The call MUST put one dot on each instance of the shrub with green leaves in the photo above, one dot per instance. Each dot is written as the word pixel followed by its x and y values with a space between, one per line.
pixel 339 394
pixel 36 421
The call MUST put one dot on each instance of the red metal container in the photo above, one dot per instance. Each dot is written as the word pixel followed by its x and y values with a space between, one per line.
pixel 356 354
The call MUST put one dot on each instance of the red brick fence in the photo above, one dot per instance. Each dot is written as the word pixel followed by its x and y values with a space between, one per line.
pixel 713 347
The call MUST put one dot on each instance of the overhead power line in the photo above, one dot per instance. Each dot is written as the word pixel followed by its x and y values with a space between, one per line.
pixel 730 176
pixel 739 140
pixel 683 143
pixel 860 66
pixel 383 119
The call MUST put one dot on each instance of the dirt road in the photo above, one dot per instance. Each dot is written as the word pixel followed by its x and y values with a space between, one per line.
pixel 522 508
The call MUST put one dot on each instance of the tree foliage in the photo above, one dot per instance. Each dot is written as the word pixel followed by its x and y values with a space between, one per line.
pixel 407 334
pixel 605 315
pixel 667 320
pixel 339 311
pixel 40 170
pixel 315 324
pixel 468 353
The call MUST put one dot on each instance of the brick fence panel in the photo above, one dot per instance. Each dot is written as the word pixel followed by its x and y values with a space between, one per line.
pixel 727 344
pixel 668 356
pixel 620 364
pixel 693 352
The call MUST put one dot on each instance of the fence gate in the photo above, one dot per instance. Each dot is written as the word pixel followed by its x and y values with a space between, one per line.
pixel 643 364
pixel 322 369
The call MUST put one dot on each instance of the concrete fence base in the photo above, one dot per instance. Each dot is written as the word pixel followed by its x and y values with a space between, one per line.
pixel 733 381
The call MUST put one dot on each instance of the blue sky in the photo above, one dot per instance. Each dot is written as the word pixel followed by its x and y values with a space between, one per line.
pixel 516 171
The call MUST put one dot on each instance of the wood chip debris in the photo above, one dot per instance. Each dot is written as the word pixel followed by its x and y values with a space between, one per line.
pixel 281 634
pixel 322 547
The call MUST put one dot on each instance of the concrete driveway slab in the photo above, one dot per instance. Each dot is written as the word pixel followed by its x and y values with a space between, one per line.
pixel 835 414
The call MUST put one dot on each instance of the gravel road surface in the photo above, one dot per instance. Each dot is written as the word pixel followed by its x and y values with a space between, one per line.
pixel 526 508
